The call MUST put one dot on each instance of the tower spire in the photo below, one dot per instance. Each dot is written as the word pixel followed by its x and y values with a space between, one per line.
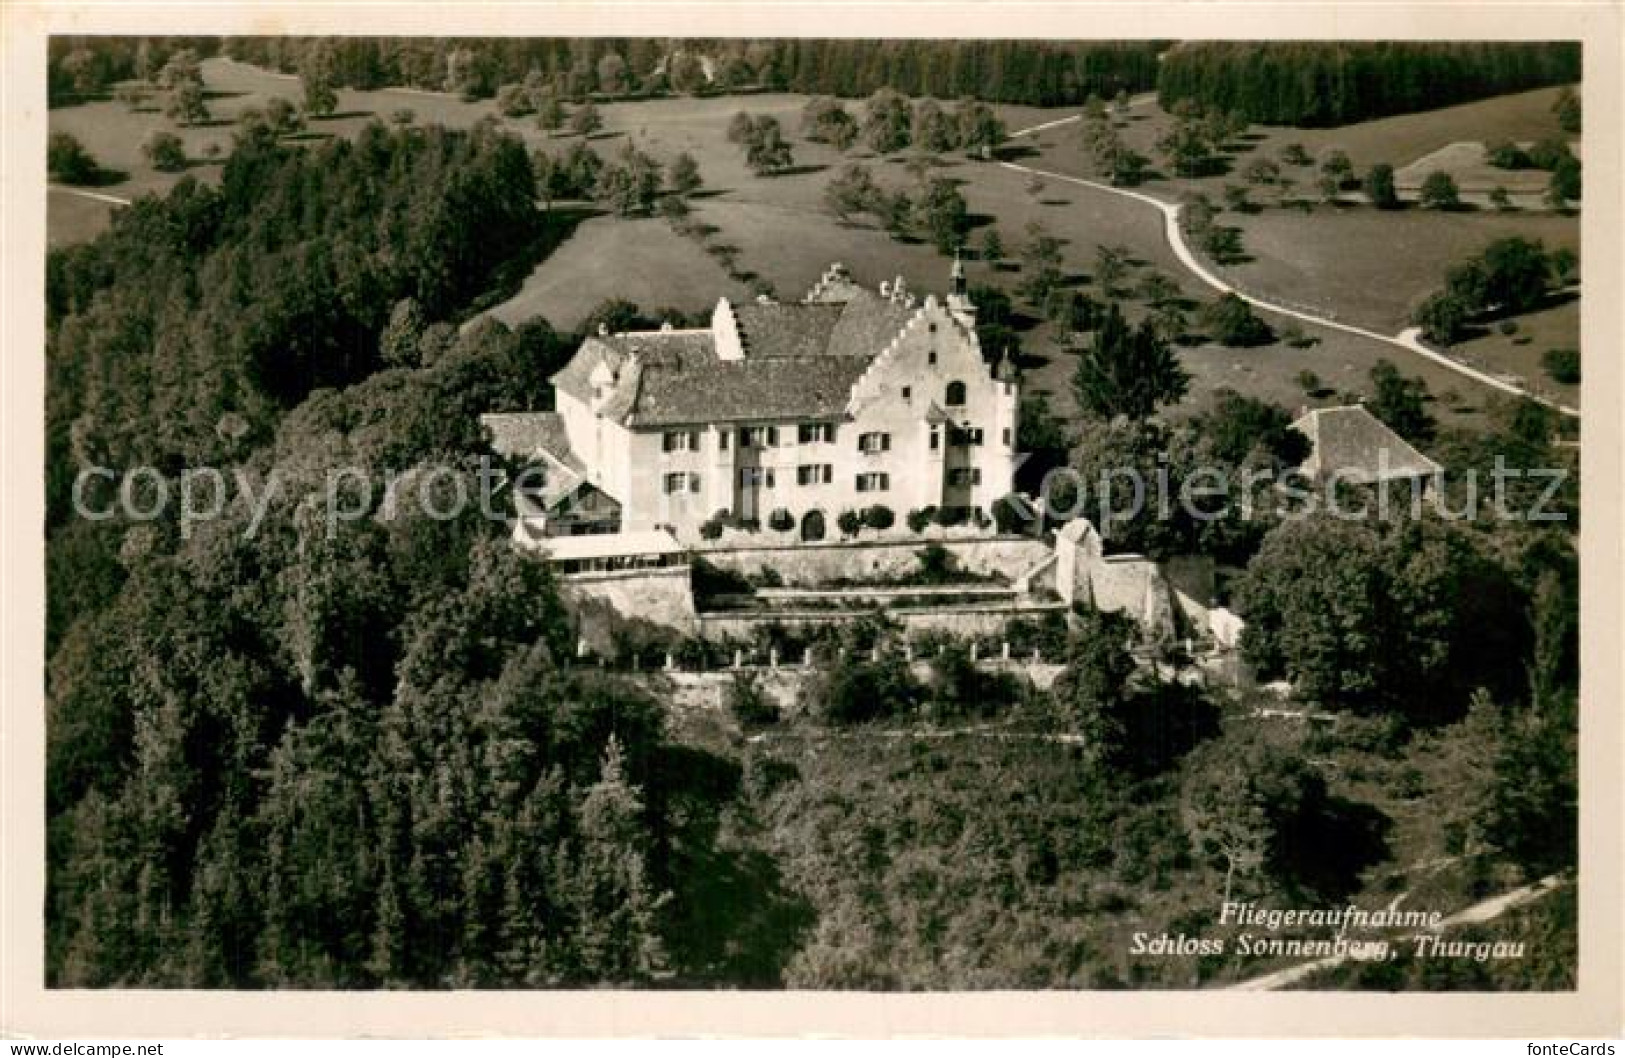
pixel 959 302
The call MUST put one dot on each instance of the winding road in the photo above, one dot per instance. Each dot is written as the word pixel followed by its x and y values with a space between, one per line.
pixel 1409 339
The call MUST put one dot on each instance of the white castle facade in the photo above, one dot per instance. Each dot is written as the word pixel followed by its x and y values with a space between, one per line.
pixel 778 416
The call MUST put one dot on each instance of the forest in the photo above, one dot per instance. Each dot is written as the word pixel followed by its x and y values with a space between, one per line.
pixel 1277 83
pixel 1002 71
pixel 1314 84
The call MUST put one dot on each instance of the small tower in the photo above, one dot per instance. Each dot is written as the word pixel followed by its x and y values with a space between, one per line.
pixel 1006 371
pixel 959 302
pixel 1001 450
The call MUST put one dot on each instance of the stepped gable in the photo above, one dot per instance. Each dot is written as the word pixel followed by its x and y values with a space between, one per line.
pixel 868 324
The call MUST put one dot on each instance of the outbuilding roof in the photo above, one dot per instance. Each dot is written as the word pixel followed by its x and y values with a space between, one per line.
pixel 1359 447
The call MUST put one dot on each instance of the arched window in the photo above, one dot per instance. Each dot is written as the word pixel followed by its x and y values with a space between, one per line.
pixel 956 395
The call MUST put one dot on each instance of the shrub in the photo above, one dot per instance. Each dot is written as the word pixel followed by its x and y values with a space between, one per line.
pixel 1562 364
pixel 849 522
pixel 165 151
pixel 1234 323
pixel 68 162
pixel 1506 155
pixel 1309 382
pixel 851 691
pixel 712 527
pixel 879 517
pixel 920 517
pixel 1439 191
pixel 949 516
pixel 710 579
pixel 781 521
pixel 748 703
pixel 936 564
pixel 1507 327
pixel 1379 187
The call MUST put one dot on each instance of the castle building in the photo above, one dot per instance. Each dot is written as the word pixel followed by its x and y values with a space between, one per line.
pixel 782 415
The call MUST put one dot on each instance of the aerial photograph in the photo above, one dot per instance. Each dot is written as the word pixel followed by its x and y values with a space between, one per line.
pixel 877 515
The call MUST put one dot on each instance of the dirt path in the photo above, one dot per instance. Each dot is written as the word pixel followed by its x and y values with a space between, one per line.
pixel 1408 339
pixel 976 731
pixel 1484 911
pixel 1140 100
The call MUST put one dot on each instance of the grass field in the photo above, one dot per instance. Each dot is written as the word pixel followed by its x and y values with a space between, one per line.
pixel 1468 164
pixel 1519 354
pixel 1411 143
pixel 71 218
pixel 1342 362
pixel 642 260
pixel 1398 141
pixel 1368 266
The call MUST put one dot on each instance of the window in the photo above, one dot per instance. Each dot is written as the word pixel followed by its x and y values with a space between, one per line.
pixel 936 438
pixel 722 439
pixel 873 482
pixel 755 477
pixel 815 474
pixel 1006 437
pixel 908 391
pixel 680 441
pixel 815 433
pixel 965 435
pixel 962 476
pixel 956 395
pixel 681 481
pixel 874 442
pixel 758 436
pixel 931 357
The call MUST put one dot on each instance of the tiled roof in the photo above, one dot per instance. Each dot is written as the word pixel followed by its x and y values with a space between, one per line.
pixel 800 362
pixel 575 377
pixel 868 322
pixel 522 435
pixel 704 389
pixel 1356 443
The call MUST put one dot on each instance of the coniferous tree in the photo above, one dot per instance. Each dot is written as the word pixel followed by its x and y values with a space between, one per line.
pixel 1128 372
